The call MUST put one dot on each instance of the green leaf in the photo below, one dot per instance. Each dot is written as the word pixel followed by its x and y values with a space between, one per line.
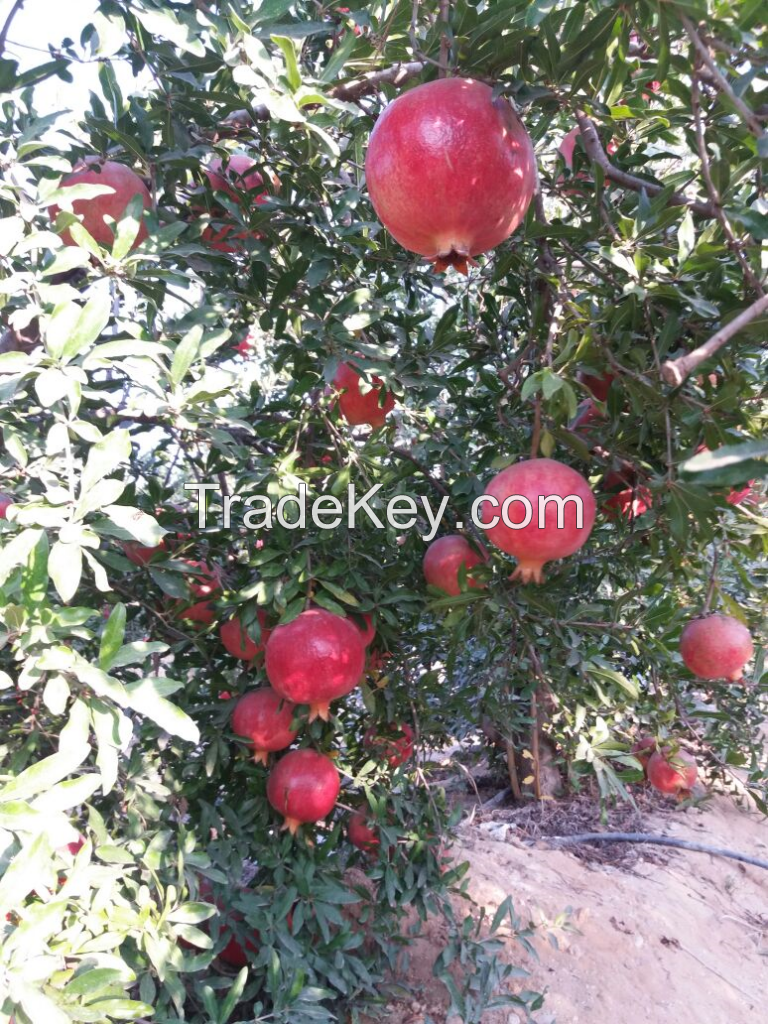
pixel 731 464
pixel 233 996
pixel 686 237
pixel 128 227
pixel 291 62
pixel 93 980
pixel 185 354
pixel 51 386
pixel 68 794
pixel 137 652
pixel 44 774
pixel 142 527
pixel 112 637
pixel 92 320
pixel 121 1009
pixel 146 698
pixel 65 567
pixel 105 456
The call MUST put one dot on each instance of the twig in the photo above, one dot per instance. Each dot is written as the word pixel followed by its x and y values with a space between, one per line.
pixel 6 27
pixel 643 837
pixel 403 453
pixel 596 153
pixel 355 88
pixel 445 42
pixel 712 582
pixel 514 778
pixel 721 81
pixel 535 745
pixel 536 435
pixel 674 371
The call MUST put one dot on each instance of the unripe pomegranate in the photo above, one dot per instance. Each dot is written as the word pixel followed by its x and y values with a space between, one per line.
pixel 672 773
pixel 315 659
pixel 391 742
pixel 361 834
pixel 303 786
pixel 531 545
pixel 358 408
pixel 450 171
pixel 716 647
pixel 125 185
pixel 140 555
pixel 629 503
pixel 237 641
pixel 444 558
pixel 5 503
pixel 265 719
pixel 369 633
pixel 643 749
pixel 237 177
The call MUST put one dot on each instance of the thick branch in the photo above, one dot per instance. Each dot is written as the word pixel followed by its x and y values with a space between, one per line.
pixel 6 27
pixel 721 81
pixel 355 88
pixel 643 837
pixel 674 371
pixel 595 151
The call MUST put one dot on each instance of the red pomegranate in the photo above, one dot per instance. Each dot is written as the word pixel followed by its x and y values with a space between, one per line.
pixel 237 177
pixel 358 408
pixel 205 580
pixel 125 184
pixel 202 613
pixel 315 659
pixel 643 749
pixel 716 647
pixel 567 149
pixel 233 953
pixel 369 633
pixel 586 414
pixel 265 719
pixel 450 171
pixel 672 773
pixel 534 546
pixel 5 503
pixel 629 503
pixel 303 787
pixel 444 558
pixel 361 834
pixel 735 497
pixel 140 555
pixel 391 742
pixel 237 641
pixel 599 386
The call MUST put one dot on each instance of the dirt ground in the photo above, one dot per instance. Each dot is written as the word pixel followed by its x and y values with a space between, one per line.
pixel 624 933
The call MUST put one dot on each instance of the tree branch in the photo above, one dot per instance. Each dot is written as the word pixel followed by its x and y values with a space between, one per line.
pixel 6 27
pixel 721 81
pixel 353 89
pixel 643 837
pixel 674 371
pixel 596 153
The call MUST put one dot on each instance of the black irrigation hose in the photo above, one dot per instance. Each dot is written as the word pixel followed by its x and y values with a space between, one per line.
pixel 643 837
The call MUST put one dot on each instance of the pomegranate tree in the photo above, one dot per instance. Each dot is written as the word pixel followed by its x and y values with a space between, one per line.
pixel 716 647
pixel 265 719
pixel 303 787
pixel 450 170
pixel 238 643
pixel 362 834
pixel 314 659
pixel 358 408
pixel 444 558
pixel 533 545
pixel 125 184
pixel 391 742
pixel 672 773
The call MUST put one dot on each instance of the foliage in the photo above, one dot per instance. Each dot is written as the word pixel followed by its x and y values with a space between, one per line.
pixel 121 382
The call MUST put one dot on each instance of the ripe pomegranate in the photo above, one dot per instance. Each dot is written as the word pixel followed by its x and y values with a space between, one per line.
pixel 125 185
pixel 450 171
pixel 586 413
pixel 233 180
pixel 532 546
pixel 303 786
pixel 315 659
pixel 358 408
pixel 599 386
pixel 205 580
pixel 369 633
pixel 265 719
pixel 233 953
pixel 237 641
pixel 716 647
pixel 140 555
pixel 672 773
pixel 444 558
pixel 5 503
pixel 567 149
pixel 629 503
pixel 361 834
pixel 391 742
pixel 643 749
pixel 202 613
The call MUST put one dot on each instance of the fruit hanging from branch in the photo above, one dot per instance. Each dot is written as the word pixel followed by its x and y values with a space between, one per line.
pixel 315 659
pixel 139 554
pixel 238 643
pixel 716 647
pixel 303 787
pixel 125 184
pixel 445 557
pixel 533 545
pixel 264 718
pixel 358 408
pixel 234 177
pixel 390 741
pixel 450 170
pixel 674 774
pixel 361 834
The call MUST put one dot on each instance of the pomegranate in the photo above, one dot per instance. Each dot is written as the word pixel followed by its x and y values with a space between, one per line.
pixel 315 659
pixel 531 545
pixel 233 953
pixel 205 580
pixel 5 503
pixel 716 647
pixel 361 834
pixel 629 503
pixel 303 787
pixel 391 742
pixel 672 773
pixel 586 413
pixel 237 177
pixel 358 408
pixel 237 641
pixel 643 749
pixel 369 633
pixel 202 613
pixel 444 558
pixel 735 497
pixel 599 386
pixel 450 171
pixel 265 719
pixel 140 555
pixel 125 185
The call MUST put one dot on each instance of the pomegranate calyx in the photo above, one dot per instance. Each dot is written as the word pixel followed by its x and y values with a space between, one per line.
pixel 321 710
pixel 528 572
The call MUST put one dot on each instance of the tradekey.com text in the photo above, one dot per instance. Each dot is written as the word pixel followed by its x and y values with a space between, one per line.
pixel 401 512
